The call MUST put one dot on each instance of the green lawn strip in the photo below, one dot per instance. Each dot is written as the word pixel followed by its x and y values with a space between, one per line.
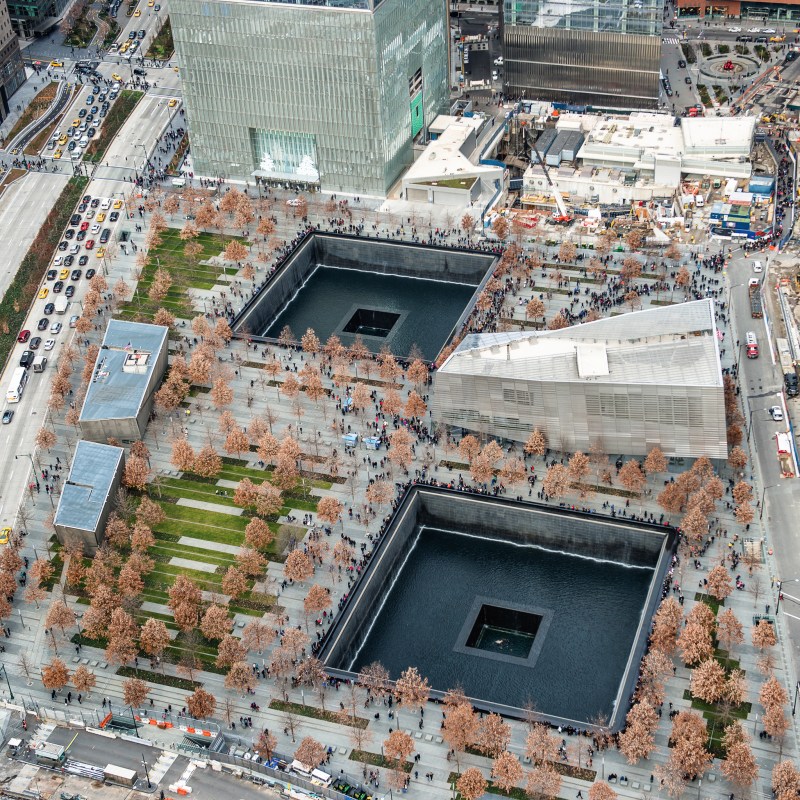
pixel 120 111
pixel 162 47
pixel 187 491
pixel 516 792
pixel 210 519
pixel 172 550
pixel 377 760
pixel 157 677
pixel 318 713
pixel 142 616
pixel 249 612
pixel 196 530
pixel 25 285
pixel 710 601
pixel 165 574
pixel 712 711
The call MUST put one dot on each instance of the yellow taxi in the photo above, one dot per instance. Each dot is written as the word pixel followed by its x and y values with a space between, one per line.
pixel 172 103
pixel 115 77
pixel 100 252
pixel 57 154
pixel 174 69
pixel 43 292
pixel 137 13
pixel 5 535
pixel 151 3
pixel 62 139
pixel 124 48
pixel 75 123
pixel 118 204
pixel 101 217
pixel 56 64
pixel 777 38
pixel 64 274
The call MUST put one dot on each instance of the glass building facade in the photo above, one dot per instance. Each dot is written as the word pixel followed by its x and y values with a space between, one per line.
pixel 329 94
pixel 587 52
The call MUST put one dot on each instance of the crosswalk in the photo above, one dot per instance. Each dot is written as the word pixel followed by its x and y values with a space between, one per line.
pixel 671 40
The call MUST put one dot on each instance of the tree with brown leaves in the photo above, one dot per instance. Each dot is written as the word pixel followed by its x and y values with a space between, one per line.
pixel 201 704
pixel 600 790
pixel 708 680
pixel 240 678
pixel 543 782
pixel 154 637
pixel 298 567
pixel 460 727
pixel 785 781
pixel 122 633
pixel 234 582
pixel 55 675
pixel 637 740
pixel 215 623
pixel 494 735
pixel 507 772
pixel 688 739
pixel 411 689
pixel 556 481
pixel 729 629
pixel 134 692
pixel 230 650
pixel 763 635
pixel 136 473
pixel 83 679
pixel 471 784
pixel 720 584
pixel 207 463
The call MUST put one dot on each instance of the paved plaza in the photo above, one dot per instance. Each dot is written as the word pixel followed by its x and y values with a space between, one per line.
pixel 318 429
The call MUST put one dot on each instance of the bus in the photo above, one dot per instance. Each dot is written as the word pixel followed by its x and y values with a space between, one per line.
pixel 17 386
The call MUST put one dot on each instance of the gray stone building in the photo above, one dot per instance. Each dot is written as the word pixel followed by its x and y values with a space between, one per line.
pixel 87 497
pixel 129 368
pixel 12 70
pixel 623 384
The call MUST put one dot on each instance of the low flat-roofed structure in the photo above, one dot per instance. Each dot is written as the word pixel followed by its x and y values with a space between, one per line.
pixel 129 367
pixel 87 496
pixel 625 383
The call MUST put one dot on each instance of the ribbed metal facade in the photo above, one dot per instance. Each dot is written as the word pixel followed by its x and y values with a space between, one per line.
pixel 320 95
pixel 628 419
pixel 606 68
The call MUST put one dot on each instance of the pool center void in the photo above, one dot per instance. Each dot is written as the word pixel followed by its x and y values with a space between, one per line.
pixel 389 294
pixel 519 604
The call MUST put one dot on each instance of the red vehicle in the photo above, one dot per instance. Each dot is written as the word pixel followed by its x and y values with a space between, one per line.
pixel 89 244
pixel 23 336
pixel 84 226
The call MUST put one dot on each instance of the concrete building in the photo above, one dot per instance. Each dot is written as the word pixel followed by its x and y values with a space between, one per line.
pixel 638 157
pixel 87 496
pixel 129 367
pixel 12 70
pixel 331 93
pixel 444 173
pixel 605 54
pixel 624 384
pixel 31 18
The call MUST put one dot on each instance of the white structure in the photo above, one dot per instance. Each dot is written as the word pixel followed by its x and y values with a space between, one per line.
pixel 643 157
pixel 443 173
pixel 624 384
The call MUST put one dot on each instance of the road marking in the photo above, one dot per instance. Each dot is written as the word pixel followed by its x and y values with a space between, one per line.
pixel 790 615
pixel 672 40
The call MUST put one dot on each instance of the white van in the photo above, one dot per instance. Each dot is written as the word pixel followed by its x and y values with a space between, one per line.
pixel 179 182
pixel 39 363
pixel 758 266
pixel 106 204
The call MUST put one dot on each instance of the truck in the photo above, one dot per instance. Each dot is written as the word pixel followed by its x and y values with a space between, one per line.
pixel 62 304
pixel 756 311
pixel 784 445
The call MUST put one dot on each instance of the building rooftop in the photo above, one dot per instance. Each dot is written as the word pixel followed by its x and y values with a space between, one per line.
pixel 667 345
pixel 122 371
pixel 85 492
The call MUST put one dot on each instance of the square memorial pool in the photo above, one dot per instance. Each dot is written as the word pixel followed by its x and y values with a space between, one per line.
pixel 519 605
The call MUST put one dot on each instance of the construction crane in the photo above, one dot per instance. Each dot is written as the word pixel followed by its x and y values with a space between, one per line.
pixel 562 217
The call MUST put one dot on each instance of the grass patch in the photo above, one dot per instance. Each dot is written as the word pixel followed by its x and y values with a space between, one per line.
pixel 25 286
pixel 705 97
pixel 83 30
pixel 36 109
pixel 162 47
pixel 377 760
pixel 11 176
pixel 710 601
pixel 706 50
pixel 185 274
pixel 723 49
pixel 157 677
pixel 688 53
pixel 117 116
pixel 180 153
pixel 719 93
pixel 318 713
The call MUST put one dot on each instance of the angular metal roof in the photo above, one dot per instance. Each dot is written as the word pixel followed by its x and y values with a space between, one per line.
pixel 121 372
pixel 85 492
pixel 671 344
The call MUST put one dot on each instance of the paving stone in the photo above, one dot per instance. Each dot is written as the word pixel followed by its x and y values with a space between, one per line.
pixel 204 506
pixel 190 563
pixel 212 546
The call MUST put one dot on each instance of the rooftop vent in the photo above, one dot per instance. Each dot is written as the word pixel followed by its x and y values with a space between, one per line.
pixel 136 362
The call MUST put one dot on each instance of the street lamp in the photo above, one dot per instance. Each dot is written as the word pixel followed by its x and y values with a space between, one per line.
pixel 8 683
pixel 763 493
pixel 146 773
pixel 33 467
